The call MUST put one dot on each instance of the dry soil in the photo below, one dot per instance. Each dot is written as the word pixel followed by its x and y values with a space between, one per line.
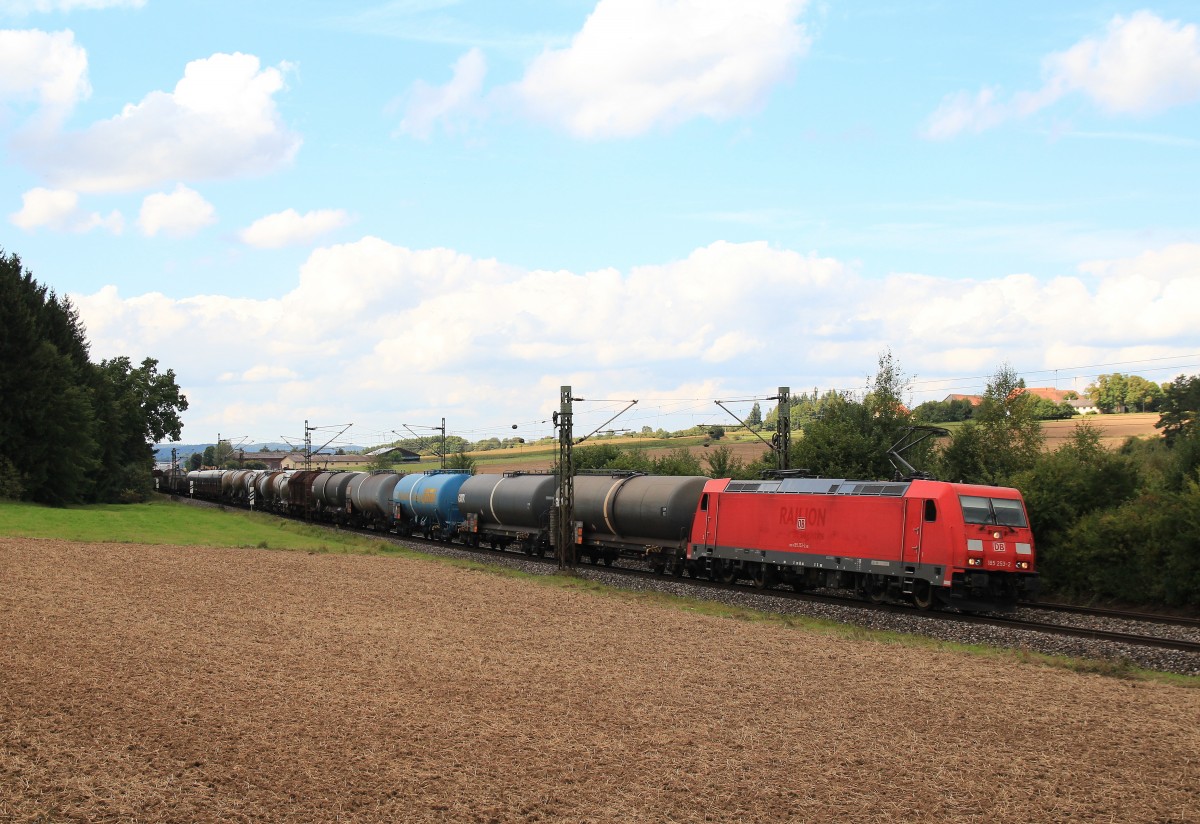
pixel 143 683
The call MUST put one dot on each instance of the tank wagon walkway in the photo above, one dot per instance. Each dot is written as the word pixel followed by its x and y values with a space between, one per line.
pixel 185 684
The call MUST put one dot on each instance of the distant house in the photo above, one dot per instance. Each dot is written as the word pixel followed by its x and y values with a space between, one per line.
pixel 295 460
pixel 1083 406
pixel 396 453
pixel 974 400
pixel 273 460
pixel 1047 393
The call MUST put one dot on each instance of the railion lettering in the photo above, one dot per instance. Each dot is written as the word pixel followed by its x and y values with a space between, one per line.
pixel 802 517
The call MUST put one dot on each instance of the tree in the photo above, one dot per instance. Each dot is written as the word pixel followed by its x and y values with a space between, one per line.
pixel 461 460
pixel 380 461
pixel 1003 437
pixel 48 442
pixel 677 462
pixel 754 419
pixel 850 438
pixel 716 432
pixel 196 460
pixel 1108 392
pixel 210 456
pixel 1142 395
pixel 1180 407
pixel 723 464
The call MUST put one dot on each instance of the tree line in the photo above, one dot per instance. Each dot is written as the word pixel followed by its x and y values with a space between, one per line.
pixel 73 431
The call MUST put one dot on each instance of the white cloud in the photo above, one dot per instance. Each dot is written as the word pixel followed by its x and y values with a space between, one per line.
pixel 22 7
pixel 1141 66
pixel 181 213
pixel 290 228
pixel 1145 64
pixel 460 97
pixel 638 64
pixel 434 332
pixel 45 67
pixel 263 373
pixel 219 122
pixel 58 209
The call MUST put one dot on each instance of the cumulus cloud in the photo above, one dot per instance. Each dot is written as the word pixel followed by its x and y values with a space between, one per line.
pixel 262 373
pixel 22 7
pixel 47 68
pixel 58 209
pixel 1142 65
pixel 638 64
pixel 181 213
pixel 458 98
pixel 434 332
pixel 290 228
pixel 220 121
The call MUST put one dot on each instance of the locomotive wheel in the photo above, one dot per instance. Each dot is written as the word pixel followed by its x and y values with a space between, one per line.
pixel 759 575
pixel 923 595
pixel 876 590
pixel 727 574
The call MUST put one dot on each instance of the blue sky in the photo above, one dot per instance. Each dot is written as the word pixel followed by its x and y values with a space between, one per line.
pixel 390 212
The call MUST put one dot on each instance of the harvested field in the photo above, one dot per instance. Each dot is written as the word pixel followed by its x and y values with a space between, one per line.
pixel 142 683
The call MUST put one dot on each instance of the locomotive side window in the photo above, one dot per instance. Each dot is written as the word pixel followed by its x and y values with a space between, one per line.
pixel 930 512
pixel 704 502
pixel 1002 511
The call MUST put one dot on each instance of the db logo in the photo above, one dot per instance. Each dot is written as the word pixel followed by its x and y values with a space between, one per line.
pixel 998 546
pixel 800 523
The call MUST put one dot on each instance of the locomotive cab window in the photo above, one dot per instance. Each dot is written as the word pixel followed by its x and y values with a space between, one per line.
pixel 930 511
pixel 704 502
pixel 989 511
pixel 1008 512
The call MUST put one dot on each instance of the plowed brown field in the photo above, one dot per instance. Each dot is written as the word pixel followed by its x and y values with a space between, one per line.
pixel 142 683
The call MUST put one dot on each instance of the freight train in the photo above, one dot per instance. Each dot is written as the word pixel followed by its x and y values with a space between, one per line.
pixel 931 543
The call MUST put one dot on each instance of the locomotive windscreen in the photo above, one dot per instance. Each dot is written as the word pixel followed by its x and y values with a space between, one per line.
pixel 1002 511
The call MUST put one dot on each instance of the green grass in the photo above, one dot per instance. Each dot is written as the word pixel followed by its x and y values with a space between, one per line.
pixel 165 522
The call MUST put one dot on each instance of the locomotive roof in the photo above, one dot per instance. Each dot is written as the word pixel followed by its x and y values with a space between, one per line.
pixel 823 486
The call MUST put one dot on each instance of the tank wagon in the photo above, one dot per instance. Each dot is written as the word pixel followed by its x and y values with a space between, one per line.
pixel 427 503
pixel 510 510
pixel 630 514
pixel 370 497
pixel 330 495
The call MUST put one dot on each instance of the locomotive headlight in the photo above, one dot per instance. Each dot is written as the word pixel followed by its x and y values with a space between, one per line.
pixel 1022 565
pixel 974 562
pixel 996 535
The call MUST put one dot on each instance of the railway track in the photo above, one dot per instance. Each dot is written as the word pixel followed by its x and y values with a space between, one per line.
pixel 1105 612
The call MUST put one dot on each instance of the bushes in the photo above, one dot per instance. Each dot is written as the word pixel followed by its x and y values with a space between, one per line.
pixel 1144 551
pixel 1119 525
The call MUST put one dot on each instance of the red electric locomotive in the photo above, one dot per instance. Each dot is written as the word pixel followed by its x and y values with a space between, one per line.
pixel 935 543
